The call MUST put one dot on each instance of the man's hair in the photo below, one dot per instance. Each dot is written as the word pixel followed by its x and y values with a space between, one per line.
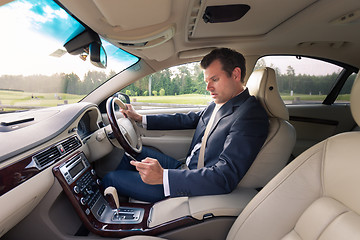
pixel 230 59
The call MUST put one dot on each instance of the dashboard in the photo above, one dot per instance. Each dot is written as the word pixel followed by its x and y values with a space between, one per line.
pixel 35 128
pixel 51 161
pixel 32 142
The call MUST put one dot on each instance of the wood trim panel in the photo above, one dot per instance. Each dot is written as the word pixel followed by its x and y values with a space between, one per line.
pixel 15 174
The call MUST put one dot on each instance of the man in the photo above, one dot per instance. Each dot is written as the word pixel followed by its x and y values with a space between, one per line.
pixel 237 130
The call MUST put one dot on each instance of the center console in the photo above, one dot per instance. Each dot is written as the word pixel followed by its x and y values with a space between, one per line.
pixel 83 188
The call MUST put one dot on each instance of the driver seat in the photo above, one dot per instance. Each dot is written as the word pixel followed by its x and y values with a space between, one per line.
pixel 276 151
pixel 316 196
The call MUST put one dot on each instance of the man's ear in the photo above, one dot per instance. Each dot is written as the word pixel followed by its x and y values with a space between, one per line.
pixel 237 74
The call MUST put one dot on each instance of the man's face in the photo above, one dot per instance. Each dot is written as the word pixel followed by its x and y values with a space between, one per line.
pixel 222 87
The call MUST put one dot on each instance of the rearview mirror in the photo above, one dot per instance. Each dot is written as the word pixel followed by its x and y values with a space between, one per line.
pixel 98 55
pixel 87 43
pixel 78 44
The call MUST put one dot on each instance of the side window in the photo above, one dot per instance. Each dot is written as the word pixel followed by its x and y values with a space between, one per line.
pixel 300 79
pixel 175 87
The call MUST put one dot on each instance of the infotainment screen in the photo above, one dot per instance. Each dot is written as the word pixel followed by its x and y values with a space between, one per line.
pixel 76 169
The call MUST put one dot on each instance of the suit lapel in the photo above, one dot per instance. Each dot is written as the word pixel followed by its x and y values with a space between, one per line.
pixel 228 108
pixel 204 119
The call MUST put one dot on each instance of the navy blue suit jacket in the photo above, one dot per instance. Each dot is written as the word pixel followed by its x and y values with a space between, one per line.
pixel 239 131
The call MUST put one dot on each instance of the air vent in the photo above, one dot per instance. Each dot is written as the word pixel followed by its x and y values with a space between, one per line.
pixel 194 14
pixel 47 157
pixel 55 152
pixel 71 144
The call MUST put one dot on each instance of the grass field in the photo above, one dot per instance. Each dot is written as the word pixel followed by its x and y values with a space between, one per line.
pixel 195 99
pixel 24 100
pixel 28 100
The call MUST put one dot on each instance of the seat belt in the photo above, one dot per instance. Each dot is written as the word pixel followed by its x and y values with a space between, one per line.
pixel 204 139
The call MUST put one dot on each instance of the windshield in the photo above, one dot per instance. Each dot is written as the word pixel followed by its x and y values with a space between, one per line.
pixel 35 69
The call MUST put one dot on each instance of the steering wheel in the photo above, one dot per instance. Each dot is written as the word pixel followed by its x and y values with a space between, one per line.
pixel 124 129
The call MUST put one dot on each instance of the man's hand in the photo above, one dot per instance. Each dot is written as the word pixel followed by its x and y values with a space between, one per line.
pixel 131 113
pixel 150 170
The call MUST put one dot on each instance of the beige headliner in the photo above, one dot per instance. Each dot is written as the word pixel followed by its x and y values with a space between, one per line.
pixel 306 27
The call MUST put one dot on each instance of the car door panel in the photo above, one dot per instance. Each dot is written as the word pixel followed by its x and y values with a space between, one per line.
pixel 175 143
pixel 316 122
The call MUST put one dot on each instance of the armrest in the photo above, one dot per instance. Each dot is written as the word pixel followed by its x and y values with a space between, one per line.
pixel 230 204
pixel 167 210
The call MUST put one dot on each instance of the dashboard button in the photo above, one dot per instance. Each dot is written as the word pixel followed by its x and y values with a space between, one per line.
pixel 76 189
pixel 82 201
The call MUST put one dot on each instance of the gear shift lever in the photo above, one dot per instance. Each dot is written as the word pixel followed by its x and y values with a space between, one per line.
pixel 122 215
pixel 111 195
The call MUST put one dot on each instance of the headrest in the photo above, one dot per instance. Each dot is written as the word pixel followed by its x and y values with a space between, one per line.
pixel 262 84
pixel 355 100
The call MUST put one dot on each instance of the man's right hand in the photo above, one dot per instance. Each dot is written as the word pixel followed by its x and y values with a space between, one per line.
pixel 150 170
pixel 131 113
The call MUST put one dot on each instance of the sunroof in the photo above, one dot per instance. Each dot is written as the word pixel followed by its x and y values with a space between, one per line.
pixel 225 13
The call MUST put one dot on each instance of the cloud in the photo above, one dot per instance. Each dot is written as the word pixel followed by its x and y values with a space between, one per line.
pixel 32 32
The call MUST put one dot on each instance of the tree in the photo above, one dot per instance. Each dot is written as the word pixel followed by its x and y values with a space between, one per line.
pixel 71 83
pixel 260 64
pixel 128 92
pixel 199 82
pixel 92 79
pixel 290 71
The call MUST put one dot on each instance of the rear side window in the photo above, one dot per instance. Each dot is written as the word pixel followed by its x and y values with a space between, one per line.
pixel 302 80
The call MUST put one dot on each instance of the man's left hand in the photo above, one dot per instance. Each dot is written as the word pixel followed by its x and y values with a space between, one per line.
pixel 150 170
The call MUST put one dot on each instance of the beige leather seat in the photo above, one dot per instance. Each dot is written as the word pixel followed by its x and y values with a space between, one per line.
pixel 276 151
pixel 316 196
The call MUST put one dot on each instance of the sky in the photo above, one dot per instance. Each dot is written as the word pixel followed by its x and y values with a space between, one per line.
pixel 303 66
pixel 32 32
